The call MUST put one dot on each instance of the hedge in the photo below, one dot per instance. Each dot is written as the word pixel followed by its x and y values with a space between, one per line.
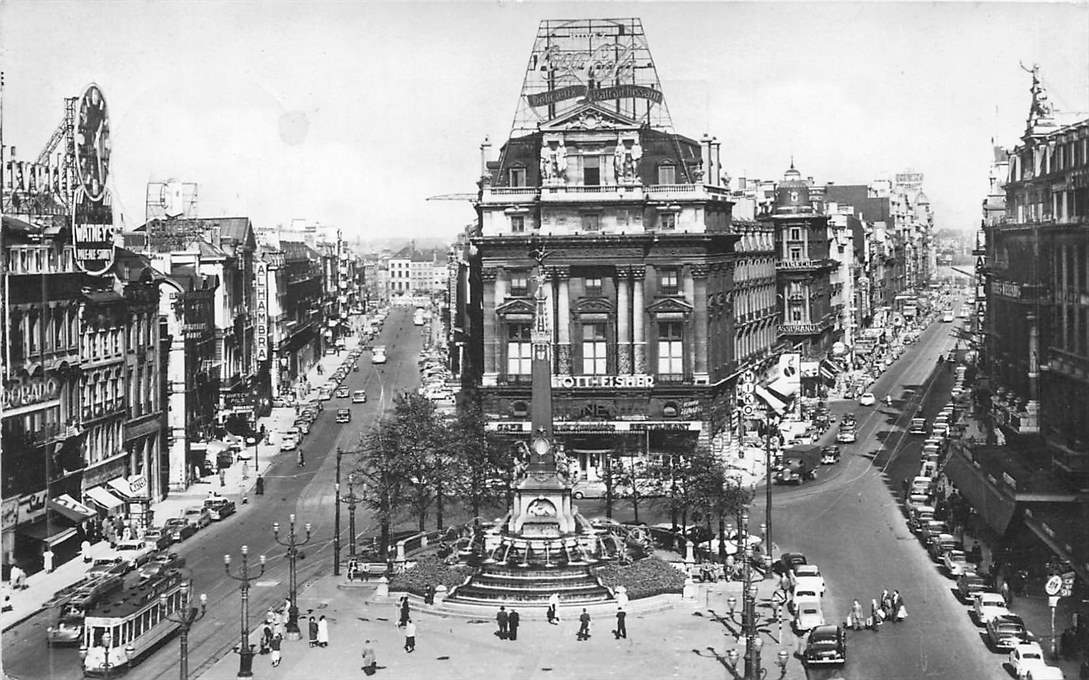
pixel 429 570
pixel 643 578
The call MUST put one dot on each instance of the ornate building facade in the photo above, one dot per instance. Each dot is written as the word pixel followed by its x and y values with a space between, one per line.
pixel 639 255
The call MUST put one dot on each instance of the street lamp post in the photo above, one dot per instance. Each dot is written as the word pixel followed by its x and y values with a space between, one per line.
pixel 292 544
pixel 748 610
pixel 351 500
pixel 245 649
pixel 770 425
pixel 336 516
pixel 186 615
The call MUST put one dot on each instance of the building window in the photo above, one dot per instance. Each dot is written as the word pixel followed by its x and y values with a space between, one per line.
pixel 667 174
pixel 591 171
pixel 795 253
pixel 519 284
pixel 668 281
pixel 517 177
pixel 593 286
pixel 593 349
pixel 519 350
pixel 517 224
pixel 667 221
pixel 795 234
pixel 591 222
pixel 796 315
pixel 670 351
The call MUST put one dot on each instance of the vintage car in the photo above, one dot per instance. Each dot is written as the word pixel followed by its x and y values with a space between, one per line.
pixel 826 645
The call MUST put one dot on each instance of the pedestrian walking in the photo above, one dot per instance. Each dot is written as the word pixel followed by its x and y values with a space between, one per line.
pixel 404 611
pixel 266 638
pixel 277 642
pixel 553 609
pixel 302 459
pixel 621 623
pixel 85 551
pixel 410 636
pixel 18 577
pixel 856 618
pixel 369 658
pixel 584 626
pixel 312 627
pixel 512 625
pixel 323 631
pixel 47 561
pixel 899 612
pixel 502 619
pixel 876 614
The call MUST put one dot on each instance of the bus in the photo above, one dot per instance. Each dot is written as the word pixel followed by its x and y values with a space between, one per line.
pixel 135 620
pixel 378 354
pixel 418 319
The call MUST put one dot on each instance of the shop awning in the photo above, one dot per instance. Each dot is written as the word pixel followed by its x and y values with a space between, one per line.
pixel 50 533
pixel 71 508
pixel 103 498
pixel 995 508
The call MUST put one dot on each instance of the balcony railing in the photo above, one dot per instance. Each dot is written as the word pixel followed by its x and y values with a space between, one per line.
pixel 804 265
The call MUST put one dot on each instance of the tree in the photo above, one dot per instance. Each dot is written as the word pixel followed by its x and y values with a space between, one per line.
pixel 418 437
pixel 718 495
pixel 381 468
pixel 482 461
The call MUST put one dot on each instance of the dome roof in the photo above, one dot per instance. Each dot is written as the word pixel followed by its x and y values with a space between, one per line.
pixel 792 194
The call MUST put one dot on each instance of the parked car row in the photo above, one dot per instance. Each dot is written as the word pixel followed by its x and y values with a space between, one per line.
pixel 1005 631
pixel 434 376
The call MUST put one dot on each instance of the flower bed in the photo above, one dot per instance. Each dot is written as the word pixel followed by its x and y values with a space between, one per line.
pixel 643 578
pixel 429 570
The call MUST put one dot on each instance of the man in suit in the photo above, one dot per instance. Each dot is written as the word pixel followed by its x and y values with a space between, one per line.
pixel 621 624
pixel 512 625
pixel 584 625
pixel 502 619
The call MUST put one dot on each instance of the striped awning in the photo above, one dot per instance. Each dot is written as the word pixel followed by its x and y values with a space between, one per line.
pixel 71 508
pixel 103 498
pixel 830 368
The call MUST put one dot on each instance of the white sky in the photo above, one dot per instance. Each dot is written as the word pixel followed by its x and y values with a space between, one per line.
pixel 351 114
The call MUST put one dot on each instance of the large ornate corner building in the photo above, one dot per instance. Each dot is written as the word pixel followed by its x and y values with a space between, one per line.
pixel 638 251
pixel 1027 471
pixel 83 401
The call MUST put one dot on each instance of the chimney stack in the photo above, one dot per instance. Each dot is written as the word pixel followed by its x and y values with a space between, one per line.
pixel 716 147
pixel 706 158
pixel 485 155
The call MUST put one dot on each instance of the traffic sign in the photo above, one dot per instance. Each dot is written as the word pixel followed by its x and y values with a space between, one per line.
pixel 1053 585
pixel 779 596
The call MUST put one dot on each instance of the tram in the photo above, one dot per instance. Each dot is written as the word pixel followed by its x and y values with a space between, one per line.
pixel 119 630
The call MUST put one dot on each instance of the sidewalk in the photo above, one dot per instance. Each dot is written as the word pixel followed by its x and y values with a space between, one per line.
pixel 238 482
pixel 691 639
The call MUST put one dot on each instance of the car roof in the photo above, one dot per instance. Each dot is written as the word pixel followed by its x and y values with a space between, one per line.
pixel 806 570
pixel 825 630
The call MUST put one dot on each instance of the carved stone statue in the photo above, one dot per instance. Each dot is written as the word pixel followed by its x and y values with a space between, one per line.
pixel 553 160
pixel 1041 107
pixel 626 160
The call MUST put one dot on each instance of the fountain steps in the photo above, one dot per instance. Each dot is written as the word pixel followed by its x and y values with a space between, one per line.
pixel 498 584
pixel 490 600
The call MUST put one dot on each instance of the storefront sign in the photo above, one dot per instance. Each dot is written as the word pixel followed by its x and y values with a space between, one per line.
pixel 1006 289
pixel 238 401
pixel 597 427
pixel 31 391
pixel 9 514
pixel 31 506
pixel 598 381
pixel 692 409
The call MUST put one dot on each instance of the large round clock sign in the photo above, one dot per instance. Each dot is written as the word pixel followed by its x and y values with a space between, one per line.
pixel 92 142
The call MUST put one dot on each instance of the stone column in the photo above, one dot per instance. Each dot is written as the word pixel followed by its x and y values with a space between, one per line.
pixel 488 276
pixel 639 343
pixel 623 330
pixel 690 326
pixel 699 314
pixel 563 321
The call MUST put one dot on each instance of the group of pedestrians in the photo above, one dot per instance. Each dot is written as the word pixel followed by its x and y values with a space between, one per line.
pixel 274 630
pixel 890 607
pixel 508 623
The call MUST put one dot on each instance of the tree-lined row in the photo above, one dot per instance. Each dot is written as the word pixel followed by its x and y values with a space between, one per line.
pixel 415 461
